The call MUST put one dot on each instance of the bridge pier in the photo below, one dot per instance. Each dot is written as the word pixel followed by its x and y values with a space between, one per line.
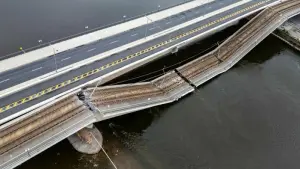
pixel 87 140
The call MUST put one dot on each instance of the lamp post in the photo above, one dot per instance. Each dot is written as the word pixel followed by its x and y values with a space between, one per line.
pixel 54 51
pixel 124 17
pixel 147 26
pixel 54 56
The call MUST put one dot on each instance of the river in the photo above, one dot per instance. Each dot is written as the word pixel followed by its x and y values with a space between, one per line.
pixel 248 117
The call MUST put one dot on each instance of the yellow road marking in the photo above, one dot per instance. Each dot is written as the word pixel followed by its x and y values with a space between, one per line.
pixel 94 71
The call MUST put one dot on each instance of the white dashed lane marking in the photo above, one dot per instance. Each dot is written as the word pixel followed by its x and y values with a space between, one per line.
pixel 37 69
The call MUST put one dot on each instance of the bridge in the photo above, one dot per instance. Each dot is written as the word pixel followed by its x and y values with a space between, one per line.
pixel 64 113
pixel 27 96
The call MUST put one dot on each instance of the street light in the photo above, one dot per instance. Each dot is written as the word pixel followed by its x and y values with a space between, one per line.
pixel 147 26
pixel 54 51
pixel 158 7
pixel 124 17
pixel 54 56
pixel 86 27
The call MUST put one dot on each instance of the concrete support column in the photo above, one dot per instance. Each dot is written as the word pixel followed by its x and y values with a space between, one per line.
pixel 87 140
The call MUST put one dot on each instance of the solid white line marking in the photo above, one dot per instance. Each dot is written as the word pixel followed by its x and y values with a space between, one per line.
pixel 114 42
pixel 66 59
pixel 182 17
pixel 168 22
pixel 4 80
pixel 37 69
pixel 91 50
pixel 134 34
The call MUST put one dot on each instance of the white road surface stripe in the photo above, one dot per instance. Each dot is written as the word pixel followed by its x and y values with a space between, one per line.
pixel 169 22
pixel 4 80
pixel 91 50
pixel 66 59
pixel 37 69
pixel 134 34
pixel 114 42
